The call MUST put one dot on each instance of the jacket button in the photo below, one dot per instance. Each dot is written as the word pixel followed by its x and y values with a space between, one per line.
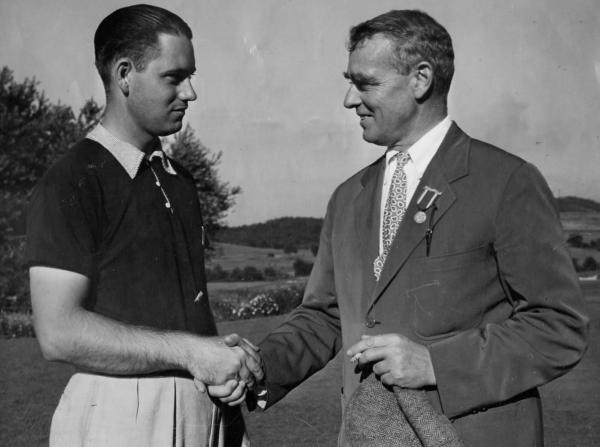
pixel 371 322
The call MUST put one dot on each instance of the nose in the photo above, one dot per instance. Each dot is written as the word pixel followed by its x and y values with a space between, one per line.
pixel 187 92
pixel 352 98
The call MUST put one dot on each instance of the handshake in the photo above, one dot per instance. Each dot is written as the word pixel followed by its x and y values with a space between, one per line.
pixel 225 367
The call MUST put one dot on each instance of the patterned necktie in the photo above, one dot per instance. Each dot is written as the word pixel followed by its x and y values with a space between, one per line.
pixel 395 207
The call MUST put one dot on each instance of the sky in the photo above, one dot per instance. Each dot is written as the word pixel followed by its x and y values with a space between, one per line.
pixel 270 85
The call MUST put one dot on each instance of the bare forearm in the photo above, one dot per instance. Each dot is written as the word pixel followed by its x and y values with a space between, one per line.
pixel 67 332
pixel 96 343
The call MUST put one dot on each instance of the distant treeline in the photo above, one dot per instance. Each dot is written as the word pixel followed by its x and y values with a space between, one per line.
pixel 289 233
pixel 570 203
pixel 303 232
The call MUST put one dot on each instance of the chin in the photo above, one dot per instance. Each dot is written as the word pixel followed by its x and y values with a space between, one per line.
pixel 372 139
pixel 175 127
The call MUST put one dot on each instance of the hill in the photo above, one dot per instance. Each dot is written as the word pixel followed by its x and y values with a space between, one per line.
pixel 298 232
pixel 303 232
pixel 577 204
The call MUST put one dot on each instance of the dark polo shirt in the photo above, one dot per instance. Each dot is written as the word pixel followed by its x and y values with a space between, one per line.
pixel 100 213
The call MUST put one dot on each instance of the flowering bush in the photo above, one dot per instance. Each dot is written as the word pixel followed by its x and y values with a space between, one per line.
pixel 259 306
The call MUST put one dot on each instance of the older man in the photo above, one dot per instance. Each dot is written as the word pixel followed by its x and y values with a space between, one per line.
pixel 442 265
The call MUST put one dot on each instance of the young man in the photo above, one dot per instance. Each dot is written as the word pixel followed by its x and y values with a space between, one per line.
pixel 442 266
pixel 115 249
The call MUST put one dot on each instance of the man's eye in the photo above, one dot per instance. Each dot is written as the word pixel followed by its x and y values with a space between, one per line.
pixel 174 79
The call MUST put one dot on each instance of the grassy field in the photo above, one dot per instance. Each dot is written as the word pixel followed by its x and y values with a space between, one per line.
pixel 230 256
pixel 309 416
pixel 580 222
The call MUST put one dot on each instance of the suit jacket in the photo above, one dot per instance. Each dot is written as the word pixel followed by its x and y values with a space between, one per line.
pixel 496 299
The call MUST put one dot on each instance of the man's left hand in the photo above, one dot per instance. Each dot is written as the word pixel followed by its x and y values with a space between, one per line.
pixel 396 360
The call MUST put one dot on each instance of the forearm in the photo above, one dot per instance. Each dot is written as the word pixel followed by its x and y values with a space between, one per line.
pixel 68 332
pixel 96 343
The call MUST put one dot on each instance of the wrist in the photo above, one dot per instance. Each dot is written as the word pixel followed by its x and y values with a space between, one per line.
pixel 180 350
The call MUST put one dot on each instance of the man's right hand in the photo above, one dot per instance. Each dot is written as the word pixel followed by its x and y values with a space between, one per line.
pixel 212 362
pixel 232 392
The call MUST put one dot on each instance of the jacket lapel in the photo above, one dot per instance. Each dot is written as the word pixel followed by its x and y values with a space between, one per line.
pixel 449 164
pixel 366 208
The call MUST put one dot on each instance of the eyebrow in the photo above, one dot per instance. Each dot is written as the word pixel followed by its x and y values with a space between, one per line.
pixel 179 72
pixel 360 78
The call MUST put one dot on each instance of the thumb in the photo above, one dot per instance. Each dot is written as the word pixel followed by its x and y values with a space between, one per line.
pixel 232 340
pixel 200 385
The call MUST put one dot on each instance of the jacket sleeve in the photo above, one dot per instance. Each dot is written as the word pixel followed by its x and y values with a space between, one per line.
pixel 311 335
pixel 546 334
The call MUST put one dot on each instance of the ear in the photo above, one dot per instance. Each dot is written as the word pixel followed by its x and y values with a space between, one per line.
pixel 122 70
pixel 423 79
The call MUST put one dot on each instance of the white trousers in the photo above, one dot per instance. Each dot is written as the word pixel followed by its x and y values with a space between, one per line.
pixel 168 411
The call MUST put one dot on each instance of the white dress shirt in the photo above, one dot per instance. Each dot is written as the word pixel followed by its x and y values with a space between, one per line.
pixel 421 153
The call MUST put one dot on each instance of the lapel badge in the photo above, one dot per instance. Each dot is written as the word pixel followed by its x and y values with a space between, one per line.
pixel 420 217
pixel 427 198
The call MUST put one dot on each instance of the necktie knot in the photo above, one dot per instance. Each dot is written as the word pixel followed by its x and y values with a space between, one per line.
pixel 402 159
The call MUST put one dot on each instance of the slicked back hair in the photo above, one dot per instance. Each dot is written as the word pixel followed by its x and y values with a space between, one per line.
pixel 416 37
pixel 133 32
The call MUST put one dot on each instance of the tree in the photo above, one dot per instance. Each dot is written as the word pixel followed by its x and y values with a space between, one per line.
pixel 33 133
pixel 575 240
pixel 589 264
pixel 216 197
pixel 302 268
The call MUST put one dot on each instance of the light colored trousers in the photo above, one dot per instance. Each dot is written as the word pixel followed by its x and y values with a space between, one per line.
pixel 168 411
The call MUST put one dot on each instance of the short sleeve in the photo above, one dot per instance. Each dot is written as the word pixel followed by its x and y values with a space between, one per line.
pixel 62 220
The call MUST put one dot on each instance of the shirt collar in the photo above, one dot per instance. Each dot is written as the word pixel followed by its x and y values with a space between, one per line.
pixel 128 156
pixel 423 150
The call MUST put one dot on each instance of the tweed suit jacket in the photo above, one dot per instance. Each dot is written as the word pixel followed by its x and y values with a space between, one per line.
pixel 496 298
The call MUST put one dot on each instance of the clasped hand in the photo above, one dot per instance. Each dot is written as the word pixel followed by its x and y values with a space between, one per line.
pixel 237 377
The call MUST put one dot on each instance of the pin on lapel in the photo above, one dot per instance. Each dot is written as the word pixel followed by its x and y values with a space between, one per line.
pixel 420 217
pixel 427 198
pixel 425 201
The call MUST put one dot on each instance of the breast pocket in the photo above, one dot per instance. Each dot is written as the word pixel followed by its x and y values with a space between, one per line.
pixel 448 293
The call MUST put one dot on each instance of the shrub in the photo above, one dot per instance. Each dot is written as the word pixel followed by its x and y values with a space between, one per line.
pixel 589 264
pixel 223 310
pixel 216 273
pixel 290 248
pixel 236 274
pixel 14 289
pixel 288 298
pixel 270 273
pixel 302 268
pixel 251 273
pixel 260 305
pixel 575 240
pixel 14 325
pixel 244 304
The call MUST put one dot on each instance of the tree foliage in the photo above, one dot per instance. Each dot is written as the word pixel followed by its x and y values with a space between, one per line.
pixel 216 196
pixel 288 233
pixel 33 133
pixel 578 204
